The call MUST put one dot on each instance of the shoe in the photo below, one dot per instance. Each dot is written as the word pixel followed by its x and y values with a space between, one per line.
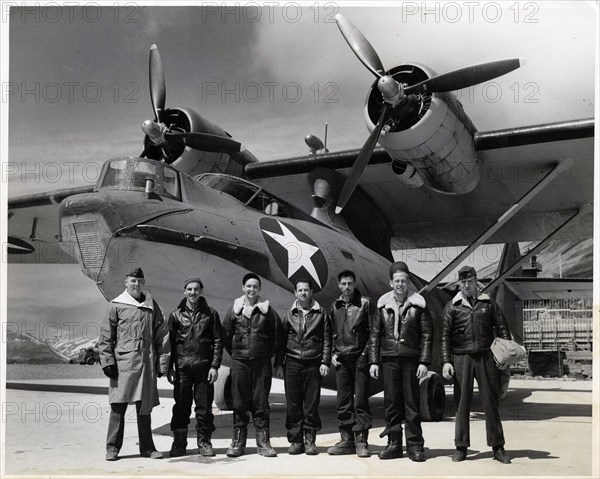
pixel 416 456
pixel 296 448
pixel 501 456
pixel 460 454
pixel 263 444
pixel 361 444
pixel 345 446
pixel 393 449
pixel 310 448
pixel 152 454
pixel 179 446
pixel 112 456
pixel 238 443
pixel 205 448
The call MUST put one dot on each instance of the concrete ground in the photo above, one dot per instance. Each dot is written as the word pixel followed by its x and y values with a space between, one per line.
pixel 547 425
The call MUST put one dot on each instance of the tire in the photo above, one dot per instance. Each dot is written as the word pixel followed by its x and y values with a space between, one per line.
pixel 223 397
pixel 433 397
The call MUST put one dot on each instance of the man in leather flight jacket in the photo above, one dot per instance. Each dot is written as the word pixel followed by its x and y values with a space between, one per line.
pixel 469 322
pixel 400 348
pixel 251 335
pixel 306 355
pixel 197 350
pixel 351 315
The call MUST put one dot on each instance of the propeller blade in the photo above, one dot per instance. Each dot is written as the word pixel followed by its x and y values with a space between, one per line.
pixel 206 142
pixel 361 162
pixel 465 77
pixel 157 83
pixel 360 46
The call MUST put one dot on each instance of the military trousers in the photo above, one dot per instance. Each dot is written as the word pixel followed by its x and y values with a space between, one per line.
pixel 479 366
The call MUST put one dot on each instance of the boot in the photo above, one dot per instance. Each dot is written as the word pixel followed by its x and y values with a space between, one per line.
pixel 361 444
pixel 179 443
pixel 310 448
pixel 205 446
pixel 238 443
pixel 393 449
pixel 345 446
pixel 263 444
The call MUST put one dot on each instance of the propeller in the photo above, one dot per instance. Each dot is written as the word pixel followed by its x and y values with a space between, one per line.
pixel 362 160
pixel 397 95
pixel 158 92
pixel 170 138
pixel 465 77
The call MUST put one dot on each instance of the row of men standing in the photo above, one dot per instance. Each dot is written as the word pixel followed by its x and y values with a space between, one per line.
pixel 393 340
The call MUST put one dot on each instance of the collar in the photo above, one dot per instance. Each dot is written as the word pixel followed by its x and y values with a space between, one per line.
pixel 459 298
pixel 126 298
pixel 355 299
pixel 315 306
pixel 389 301
pixel 201 304
pixel 240 305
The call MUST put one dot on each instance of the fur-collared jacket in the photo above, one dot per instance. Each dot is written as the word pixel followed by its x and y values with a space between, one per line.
pixel 401 330
pixel 251 331
pixel 470 329
pixel 195 336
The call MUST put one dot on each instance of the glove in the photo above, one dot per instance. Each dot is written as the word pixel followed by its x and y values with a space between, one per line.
pixel 111 371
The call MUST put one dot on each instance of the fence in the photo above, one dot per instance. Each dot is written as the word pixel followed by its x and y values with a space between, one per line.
pixel 558 324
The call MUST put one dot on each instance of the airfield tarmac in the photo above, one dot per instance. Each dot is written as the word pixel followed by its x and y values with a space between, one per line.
pixel 52 430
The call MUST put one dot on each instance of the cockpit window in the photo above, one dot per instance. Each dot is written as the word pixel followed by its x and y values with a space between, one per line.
pixel 132 173
pixel 240 190
pixel 252 196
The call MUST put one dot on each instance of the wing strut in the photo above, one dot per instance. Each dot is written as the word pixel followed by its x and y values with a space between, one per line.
pixel 511 269
pixel 561 167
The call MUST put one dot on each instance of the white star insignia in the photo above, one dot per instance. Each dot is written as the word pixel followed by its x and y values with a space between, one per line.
pixel 299 253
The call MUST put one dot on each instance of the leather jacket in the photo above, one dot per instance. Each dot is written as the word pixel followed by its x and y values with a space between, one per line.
pixel 306 336
pixel 351 325
pixel 413 325
pixel 470 329
pixel 195 336
pixel 251 332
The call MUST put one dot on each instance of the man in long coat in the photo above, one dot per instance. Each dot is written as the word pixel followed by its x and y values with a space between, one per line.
pixel 134 349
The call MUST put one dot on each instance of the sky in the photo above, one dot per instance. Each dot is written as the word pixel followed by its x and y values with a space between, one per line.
pixel 77 88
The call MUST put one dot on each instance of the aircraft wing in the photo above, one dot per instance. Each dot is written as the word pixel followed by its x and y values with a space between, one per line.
pixel 513 160
pixel 33 227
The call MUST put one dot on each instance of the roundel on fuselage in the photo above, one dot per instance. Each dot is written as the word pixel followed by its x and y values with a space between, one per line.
pixel 296 254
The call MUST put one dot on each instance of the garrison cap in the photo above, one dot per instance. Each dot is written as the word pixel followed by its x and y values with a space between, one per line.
pixel 467 272
pixel 135 273
pixel 398 266
pixel 193 279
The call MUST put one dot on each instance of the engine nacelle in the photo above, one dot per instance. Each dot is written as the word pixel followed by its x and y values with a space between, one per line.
pixel 189 160
pixel 430 138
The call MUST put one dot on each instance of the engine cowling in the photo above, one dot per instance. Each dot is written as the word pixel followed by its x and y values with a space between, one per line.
pixel 430 137
pixel 186 159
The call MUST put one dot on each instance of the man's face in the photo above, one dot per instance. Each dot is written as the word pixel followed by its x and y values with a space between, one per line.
pixel 346 285
pixel 399 283
pixel 468 286
pixel 251 288
pixel 192 292
pixel 303 292
pixel 134 286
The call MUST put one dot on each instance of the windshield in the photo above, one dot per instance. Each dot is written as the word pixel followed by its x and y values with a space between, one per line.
pixel 132 173
pixel 252 196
